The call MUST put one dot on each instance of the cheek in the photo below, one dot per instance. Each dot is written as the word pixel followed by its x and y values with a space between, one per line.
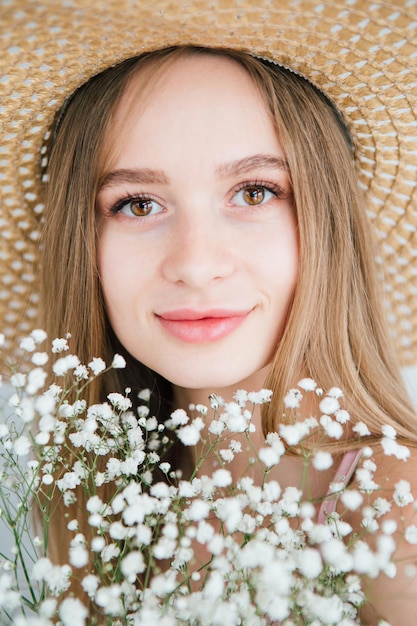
pixel 113 273
pixel 281 264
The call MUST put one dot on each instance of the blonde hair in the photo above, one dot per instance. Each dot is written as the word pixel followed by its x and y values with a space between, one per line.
pixel 335 330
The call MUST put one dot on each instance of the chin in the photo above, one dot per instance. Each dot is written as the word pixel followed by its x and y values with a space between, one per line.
pixel 217 382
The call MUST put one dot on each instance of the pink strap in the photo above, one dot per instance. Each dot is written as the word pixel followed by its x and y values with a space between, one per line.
pixel 343 475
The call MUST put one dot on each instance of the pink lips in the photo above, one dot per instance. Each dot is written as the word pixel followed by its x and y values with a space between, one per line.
pixel 201 326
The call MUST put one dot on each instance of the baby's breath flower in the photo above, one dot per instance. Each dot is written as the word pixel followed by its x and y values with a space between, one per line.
pixel 145 395
pixel 78 554
pixel 72 611
pixel 216 401
pixel 22 445
pixel 402 493
pixel 241 397
pixel 132 565
pixel 289 503
pixel 260 397
pixel 189 435
pixel 342 416
pixel 235 446
pixel 352 499
pixel 164 548
pixel 411 534
pixel 293 399
pixel 73 525
pixel 198 510
pixel 119 402
pixel 118 531
pixel 332 428
pixel 18 380
pixel 234 419
pixel 165 467
pixel 388 431
pixel 322 460
pixel 98 544
pixel 70 480
pixel 69 497
pixel 56 577
pixel 54 390
pixel 217 427
pixel 2 340
pixel 202 409
pixel 109 552
pixel 222 478
pixel 151 424
pixel 40 358
pixel 81 372
pixel 38 335
pixel 308 384
pixel 28 344
pixel 294 433
pixel 392 448
pixel 143 412
pixel 389 526
pixel 97 365
pixel 335 553
pixel 90 584
pixel 269 456
pixel 118 362
pixel 66 363
pixel 329 405
pixel 227 455
pixel 309 562
pixel 179 417
pixel 99 479
pixel 307 510
pixel 143 535
pixel 47 609
pixel 365 479
pixel 95 504
pixel 362 429
pixel 59 345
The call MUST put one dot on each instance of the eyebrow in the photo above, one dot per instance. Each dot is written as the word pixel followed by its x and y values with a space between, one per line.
pixel 135 175
pixel 234 168
pixel 242 166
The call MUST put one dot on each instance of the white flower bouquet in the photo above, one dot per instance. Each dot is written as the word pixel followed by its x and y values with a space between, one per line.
pixel 168 550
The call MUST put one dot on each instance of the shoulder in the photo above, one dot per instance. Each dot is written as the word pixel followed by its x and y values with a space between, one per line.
pixel 387 521
pixel 382 476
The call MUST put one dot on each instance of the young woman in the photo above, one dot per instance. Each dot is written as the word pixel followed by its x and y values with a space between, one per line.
pixel 205 218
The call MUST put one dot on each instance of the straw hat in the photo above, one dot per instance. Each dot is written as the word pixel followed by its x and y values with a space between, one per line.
pixel 363 54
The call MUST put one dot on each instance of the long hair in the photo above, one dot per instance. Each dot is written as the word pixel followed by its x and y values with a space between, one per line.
pixel 335 331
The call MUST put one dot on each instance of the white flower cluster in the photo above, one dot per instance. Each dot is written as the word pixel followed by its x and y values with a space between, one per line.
pixel 163 550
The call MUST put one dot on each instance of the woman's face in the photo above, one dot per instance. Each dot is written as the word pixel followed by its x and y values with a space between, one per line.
pixel 197 238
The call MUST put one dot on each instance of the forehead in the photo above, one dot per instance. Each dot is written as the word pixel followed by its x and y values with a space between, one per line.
pixel 188 92
pixel 184 75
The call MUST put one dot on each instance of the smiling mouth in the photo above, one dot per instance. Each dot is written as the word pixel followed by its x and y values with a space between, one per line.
pixel 201 327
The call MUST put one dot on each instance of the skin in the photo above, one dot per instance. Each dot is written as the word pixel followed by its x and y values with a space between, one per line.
pixel 191 150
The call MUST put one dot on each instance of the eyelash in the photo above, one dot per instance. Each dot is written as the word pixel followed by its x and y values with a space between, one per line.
pixel 278 191
pixel 118 206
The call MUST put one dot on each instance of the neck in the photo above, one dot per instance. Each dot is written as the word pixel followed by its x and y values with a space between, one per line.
pixel 185 396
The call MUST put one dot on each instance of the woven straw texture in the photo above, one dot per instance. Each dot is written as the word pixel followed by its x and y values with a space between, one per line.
pixel 362 54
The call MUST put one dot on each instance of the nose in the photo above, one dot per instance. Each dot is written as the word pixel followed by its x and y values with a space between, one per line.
pixel 199 251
